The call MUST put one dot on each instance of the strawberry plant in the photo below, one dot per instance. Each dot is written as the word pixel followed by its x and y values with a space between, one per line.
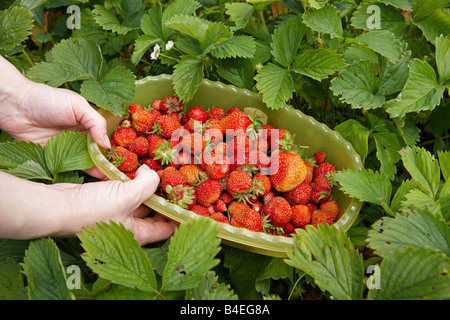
pixel 376 72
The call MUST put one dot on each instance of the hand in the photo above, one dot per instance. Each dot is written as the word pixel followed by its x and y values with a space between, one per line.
pixel 63 209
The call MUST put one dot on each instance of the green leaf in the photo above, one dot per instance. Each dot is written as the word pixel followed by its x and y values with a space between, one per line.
pixel 357 134
pixel 237 71
pixel 413 273
pixel 358 85
pixel 241 46
pixel 388 145
pixel 11 281
pixel 45 272
pixel 405 187
pixel 422 90
pixel 315 4
pixel 30 170
pixel 210 289
pixel 114 254
pixel 390 18
pixel 423 167
pixel 319 63
pixel 187 76
pixel 110 93
pixel 327 254
pixel 109 21
pixel 382 41
pixel 141 45
pixel 435 24
pixel 276 85
pixel 239 13
pixel 416 199
pixel 15 27
pixel 189 25
pixel 14 153
pixel 286 40
pixel 192 253
pixel 365 184
pixel 402 4
pixel 423 8
pixel 326 20
pixel 180 7
pixel 417 229
pixel 67 151
pixel 151 23
pixel 393 76
pixel 443 58
pixel 444 162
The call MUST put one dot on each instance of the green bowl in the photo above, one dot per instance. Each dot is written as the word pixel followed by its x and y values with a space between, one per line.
pixel 308 132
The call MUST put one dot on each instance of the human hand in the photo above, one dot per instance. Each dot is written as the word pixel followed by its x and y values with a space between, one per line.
pixel 63 209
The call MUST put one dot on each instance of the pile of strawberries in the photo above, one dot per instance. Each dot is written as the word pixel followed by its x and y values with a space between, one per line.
pixel 226 165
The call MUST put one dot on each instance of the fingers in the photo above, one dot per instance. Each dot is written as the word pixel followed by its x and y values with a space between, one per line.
pixel 96 173
pixel 143 186
pixel 151 230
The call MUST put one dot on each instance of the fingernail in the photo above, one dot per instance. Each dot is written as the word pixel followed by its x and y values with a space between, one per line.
pixel 107 142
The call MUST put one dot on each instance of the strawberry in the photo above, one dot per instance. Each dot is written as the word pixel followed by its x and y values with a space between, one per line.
pixel 299 195
pixel 324 169
pixel 217 171
pixel 288 229
pixel 131 174
pixel 139 146
pixel 220 217
pixel 208 192
pixel 233 109
pixel 159 149
pixel 182 195
pixel 127 122
pixel 156 105
pixel 172 177
pixel 216 113
pixel 193 143
pixel 278 212
pixel 220 206
pixel 123 136
pixel 226 198
pixel 237 206
pixel 124 160
pixel 248 219
pixel 143 120
pixel 197 113
pixel 133 108
pixel 192 173
pixel 200 210
pixel 311 207
pixel 261 184
pixel 319 216
pixel 238 183
pixel 289 171
pixel 321 190
pixel 237 121
pixel 301 215
pixel 331 207
pixel 165 125
pixel 319 157
pixel 152 164
pixel 184 119
pixel 309 172
pixel 171 104
pixel 268 197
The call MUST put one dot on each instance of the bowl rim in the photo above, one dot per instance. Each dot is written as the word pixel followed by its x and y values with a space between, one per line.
pixel 257 242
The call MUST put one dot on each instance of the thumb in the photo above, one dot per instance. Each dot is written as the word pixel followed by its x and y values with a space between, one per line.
pixel 90 119
pixel 144 185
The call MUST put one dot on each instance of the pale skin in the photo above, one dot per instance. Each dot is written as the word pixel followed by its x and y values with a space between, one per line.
pixel 35 112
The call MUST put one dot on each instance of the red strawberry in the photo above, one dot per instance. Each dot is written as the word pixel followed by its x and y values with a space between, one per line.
pixel 166 125
pixel 220 206
pixel 233 109
pixel 159 149
pixel 226 198
pixel 197 113
pixel 193 143
pixel 301 215
pixel 299 195
pixel 288 229
pixel 289 171
pixel 278 212
pixel 319 216
pixel 311 207
pixel 208 192
pixel 172 177
pixel 216 113
pixel 268 197
pixel 139 146
pixel 321 190
pixel 123 136
pixel 217 171
pixel 237 121
pixel 143 120
pixel 237 206
pixel 124 160
pixel 131 174
pixel 191 173
pixel 200 210
pixel 319 157
pixel 127 122
pixel 323 169
pixel 171 104
pixel 134 108
pixel 220 217
pixel 248 219
pixel 156 105
pixel 238 182
pixel 261 184
pixel 182 195
pixel 309 172
pixel 152 164
pixel 331 207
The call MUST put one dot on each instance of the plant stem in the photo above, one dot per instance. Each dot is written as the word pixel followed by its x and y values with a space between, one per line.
pixel 28 58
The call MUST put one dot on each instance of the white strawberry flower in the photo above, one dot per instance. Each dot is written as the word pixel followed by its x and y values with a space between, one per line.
pixel 156 51
pixel 169 45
